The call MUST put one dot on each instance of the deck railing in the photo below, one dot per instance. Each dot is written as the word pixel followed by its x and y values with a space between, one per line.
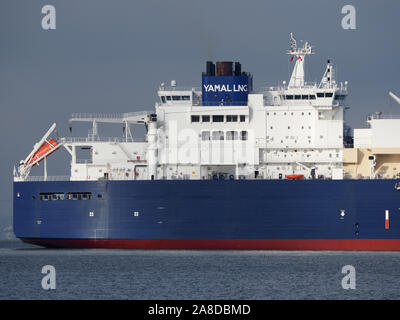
pixel 383 116
pixel 48 178
pixel 100 139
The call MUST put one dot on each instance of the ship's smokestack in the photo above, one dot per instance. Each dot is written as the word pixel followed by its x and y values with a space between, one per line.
pixel 224 68
pixel 225 84
pixel 238 69
pixel 210 68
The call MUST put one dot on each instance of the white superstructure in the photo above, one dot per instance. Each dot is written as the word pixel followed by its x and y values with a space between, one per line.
pixel 296 128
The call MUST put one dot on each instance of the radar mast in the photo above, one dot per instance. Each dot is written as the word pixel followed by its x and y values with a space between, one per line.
pixel 298 54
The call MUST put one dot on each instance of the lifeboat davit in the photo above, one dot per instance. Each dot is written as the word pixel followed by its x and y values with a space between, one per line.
pixel 295 176
pixel 45 148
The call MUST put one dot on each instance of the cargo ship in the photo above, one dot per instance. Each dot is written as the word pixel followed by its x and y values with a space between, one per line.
pixel 224 166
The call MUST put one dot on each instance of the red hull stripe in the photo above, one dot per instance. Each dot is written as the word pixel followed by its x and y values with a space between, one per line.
pixel 224 244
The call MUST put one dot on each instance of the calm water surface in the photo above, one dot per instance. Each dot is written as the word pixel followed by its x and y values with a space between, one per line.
pixel 139 274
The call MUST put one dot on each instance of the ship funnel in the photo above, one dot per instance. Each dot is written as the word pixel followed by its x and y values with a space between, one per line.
pixel 225 84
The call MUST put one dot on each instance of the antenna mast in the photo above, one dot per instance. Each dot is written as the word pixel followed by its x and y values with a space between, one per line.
pixel 298 54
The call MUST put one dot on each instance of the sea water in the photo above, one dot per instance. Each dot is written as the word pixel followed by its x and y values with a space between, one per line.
pixel 192 274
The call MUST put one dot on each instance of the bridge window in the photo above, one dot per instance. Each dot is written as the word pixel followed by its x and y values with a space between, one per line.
pixel 232 135
pixel 195 118
pixel 320 94
pixel 297 97
pixel 176 98
pixel 242 118
pixel 231 118
pixel 163 99
pixel 304 97
pixel 218 135
pixel 168 98
pixel 243 135
pixel 340 96
pixel 328 94
pixel 186 98
pixel 205 135
pixel 218 118
pixel 205 118
pixel 312 96
pixel 289 97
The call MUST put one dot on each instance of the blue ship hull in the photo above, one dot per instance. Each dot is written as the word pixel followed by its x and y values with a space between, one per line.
pixel 208 214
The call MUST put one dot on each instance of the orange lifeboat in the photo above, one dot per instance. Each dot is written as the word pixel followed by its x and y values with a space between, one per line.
pixel 46 147
pixel 295 176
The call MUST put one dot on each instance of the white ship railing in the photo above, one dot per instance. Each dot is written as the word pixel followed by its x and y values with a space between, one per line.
pixel 307 85
pixel 169 88
pixel 48 178
pixel 110 116
pixel 384 116
pixel 84 161
pixel 96 116
pixel 100 139
pixel 134 114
